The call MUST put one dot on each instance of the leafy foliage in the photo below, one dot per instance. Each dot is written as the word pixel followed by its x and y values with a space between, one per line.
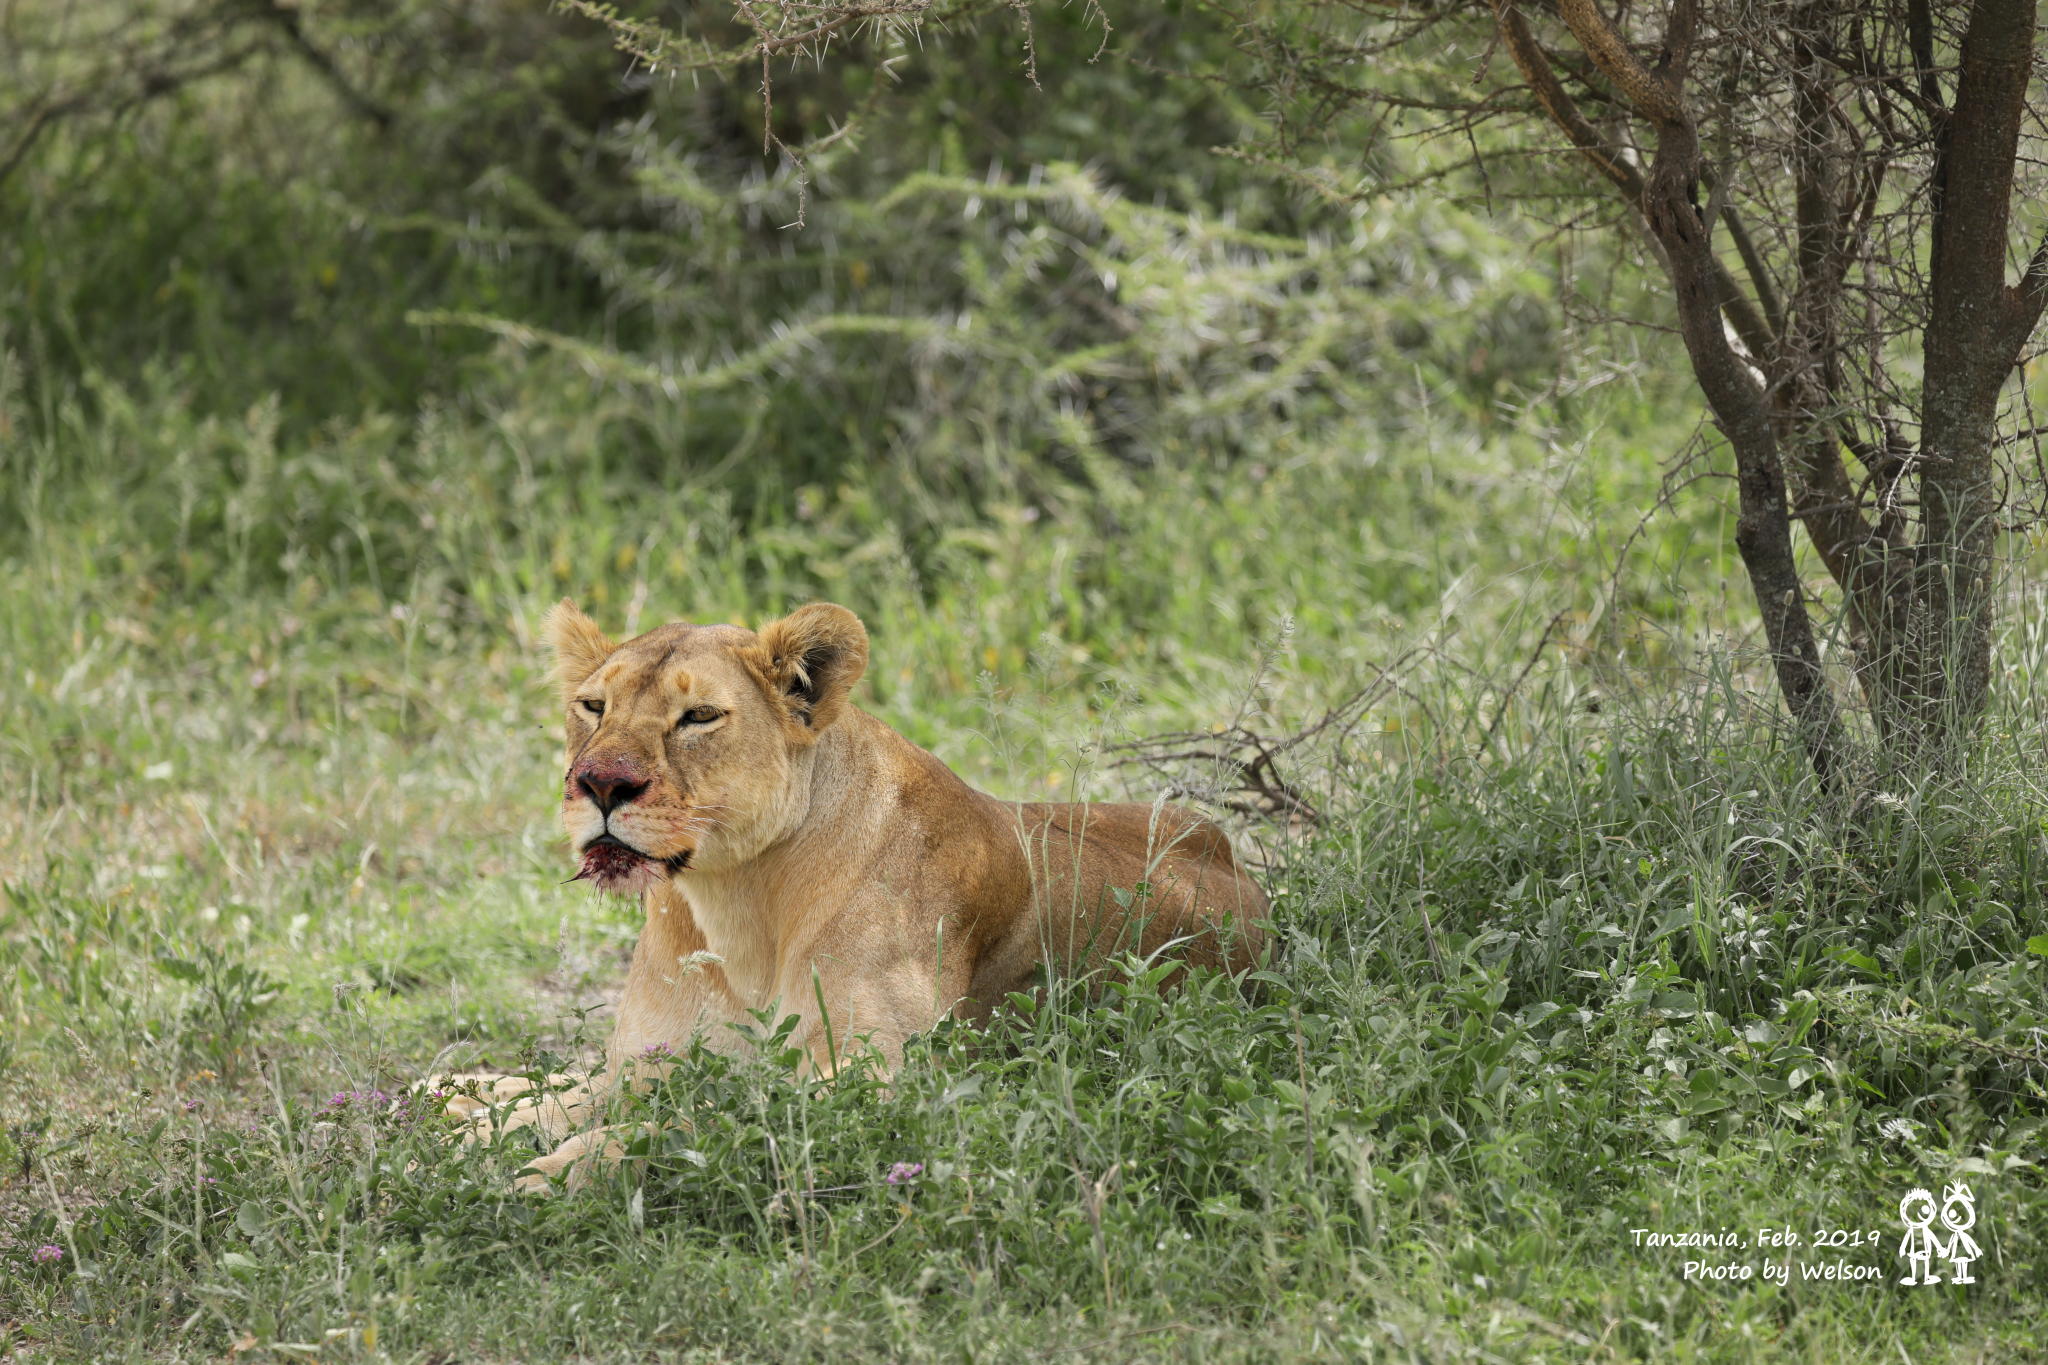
pixel 228 997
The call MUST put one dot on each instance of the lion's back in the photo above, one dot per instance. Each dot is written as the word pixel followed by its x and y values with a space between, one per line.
pixel 1118 875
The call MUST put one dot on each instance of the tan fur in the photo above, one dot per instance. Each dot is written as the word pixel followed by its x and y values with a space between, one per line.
pixel 828 859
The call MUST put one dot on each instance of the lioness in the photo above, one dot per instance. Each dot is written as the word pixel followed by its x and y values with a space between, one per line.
pixel 793 851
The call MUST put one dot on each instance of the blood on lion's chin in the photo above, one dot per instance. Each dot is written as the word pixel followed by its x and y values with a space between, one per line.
pixel 620 870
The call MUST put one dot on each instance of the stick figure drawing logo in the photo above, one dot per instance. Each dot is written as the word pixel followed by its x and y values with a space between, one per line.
pixel 1922 1246
pixel 1958 1213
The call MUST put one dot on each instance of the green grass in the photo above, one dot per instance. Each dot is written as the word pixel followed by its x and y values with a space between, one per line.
pixel 1558 965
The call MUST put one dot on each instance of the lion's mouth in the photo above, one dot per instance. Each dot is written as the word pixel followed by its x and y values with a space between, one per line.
pixel 608 857
pixel 613 863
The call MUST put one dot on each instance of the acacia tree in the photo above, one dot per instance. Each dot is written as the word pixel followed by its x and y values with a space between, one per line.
pixel 1824 185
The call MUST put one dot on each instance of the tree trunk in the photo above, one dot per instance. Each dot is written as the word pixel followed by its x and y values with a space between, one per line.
pixel 1937 665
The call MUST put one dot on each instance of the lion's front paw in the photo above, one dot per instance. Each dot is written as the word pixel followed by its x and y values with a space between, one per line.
pixel 573 1163
pixel 488 1104
pixel 472 1095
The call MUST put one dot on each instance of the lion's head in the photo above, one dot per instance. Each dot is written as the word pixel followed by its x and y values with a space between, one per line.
pixel 689 746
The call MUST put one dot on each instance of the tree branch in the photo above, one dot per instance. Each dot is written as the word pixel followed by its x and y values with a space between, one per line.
pixel 1757 332
pixel 287 20
pixel 1533 63
pixel 150 76
pixel 2032 292
pixel 1763 530
pixel 1920 35
pixel 1823 496
pixel 1658 101
pixel 1753 263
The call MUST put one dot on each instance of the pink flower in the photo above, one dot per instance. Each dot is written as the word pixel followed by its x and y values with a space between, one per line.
pixel 47 1254
pixel 903 1172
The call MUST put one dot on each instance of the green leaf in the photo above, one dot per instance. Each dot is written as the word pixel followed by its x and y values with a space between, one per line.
pixel 2038 944
pixel 178 969
pixel 1799 1017
pixel 1676 919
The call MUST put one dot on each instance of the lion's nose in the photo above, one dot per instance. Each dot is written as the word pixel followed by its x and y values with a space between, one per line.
pixel 609 792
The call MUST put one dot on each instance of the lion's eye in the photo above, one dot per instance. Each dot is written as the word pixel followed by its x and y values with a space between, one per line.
pixel 700 715
pixel 595 708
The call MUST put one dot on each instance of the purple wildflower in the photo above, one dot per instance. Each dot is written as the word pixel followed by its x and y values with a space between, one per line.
pixel 47 1254
pixel 903 1172
pixel 657 1050
pixel 191 1105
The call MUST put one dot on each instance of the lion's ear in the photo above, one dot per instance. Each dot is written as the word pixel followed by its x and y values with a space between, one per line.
pixel 813 657
pixel 578 644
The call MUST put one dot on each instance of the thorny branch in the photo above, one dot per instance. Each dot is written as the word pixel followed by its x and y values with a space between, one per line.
pixel 1238 768
pixel 804 30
